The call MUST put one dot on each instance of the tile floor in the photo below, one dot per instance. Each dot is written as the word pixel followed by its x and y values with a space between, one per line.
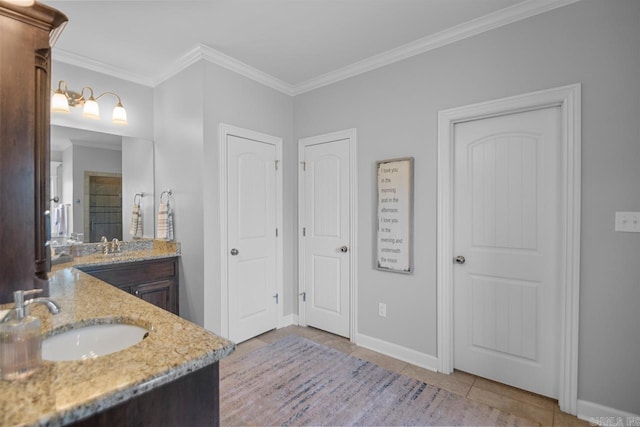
pixel 538 409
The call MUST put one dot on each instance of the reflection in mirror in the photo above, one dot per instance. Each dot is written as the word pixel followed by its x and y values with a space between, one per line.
pixel 94 178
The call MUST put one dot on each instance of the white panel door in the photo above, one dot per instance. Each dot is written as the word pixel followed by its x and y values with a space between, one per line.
pixel 506 221
pixel 326 258
pixel 251 237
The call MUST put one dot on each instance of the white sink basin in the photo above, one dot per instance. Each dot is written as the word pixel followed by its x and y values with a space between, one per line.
pixel 91 341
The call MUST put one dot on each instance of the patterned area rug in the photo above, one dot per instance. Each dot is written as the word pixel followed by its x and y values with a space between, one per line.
pixel 295 381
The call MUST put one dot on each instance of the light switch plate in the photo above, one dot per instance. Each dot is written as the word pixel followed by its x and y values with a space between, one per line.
pixel 628 222
pixel 382 309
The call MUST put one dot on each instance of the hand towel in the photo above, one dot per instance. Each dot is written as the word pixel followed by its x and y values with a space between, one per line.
pixel 165 221
pixel 61 220
pixel 136 221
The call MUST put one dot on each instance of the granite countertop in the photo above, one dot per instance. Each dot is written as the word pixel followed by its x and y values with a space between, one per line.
pixel 62 392
pixel 142 250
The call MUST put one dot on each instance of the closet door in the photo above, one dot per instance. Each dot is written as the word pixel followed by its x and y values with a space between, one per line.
pixel 251 233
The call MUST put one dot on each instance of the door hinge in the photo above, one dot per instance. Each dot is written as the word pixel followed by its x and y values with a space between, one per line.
pixel 304 296
pixel 304 165
pixel 276 298
pixel 277 161
pixel 304 231
pixel 276 232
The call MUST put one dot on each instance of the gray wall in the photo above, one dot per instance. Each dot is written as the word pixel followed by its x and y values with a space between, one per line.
pixel 179 166
pixel 138 102
pixel 395 111
pixel 235 100
pixel 94 160
pixel 136 99
pixel 138 177
pixel 186 151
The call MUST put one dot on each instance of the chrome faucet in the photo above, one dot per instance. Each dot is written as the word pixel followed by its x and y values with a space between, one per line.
pixel 107 247
pixel 21 308
pixel 116 245
pixel 104 245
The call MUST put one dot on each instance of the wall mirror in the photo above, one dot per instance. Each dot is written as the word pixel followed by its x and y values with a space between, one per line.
pixel 95 179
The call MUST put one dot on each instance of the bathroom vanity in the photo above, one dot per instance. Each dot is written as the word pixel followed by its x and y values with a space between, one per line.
pixel 168 378
pixel 149 270
pixel 153 280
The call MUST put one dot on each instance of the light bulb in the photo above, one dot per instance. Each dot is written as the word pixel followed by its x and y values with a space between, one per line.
pixel 22 2
pixel 119 115
pixel 91 109
pixel 59 102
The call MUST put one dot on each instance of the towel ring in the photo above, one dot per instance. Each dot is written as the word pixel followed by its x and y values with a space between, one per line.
pixel 137 198
pixel 168 192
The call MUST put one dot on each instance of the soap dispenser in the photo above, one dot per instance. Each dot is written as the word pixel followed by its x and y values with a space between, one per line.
pixel 20 337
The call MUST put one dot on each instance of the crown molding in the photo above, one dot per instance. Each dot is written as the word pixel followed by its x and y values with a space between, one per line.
pixel 204 52
pixel 468 29
pixel 100 67
pixel 189 58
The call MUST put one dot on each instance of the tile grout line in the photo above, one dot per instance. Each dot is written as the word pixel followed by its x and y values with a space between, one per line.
pixel 475 378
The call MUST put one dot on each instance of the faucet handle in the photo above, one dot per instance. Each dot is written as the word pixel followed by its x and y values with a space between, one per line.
pixel 18 296
pixel 116 245
pixel 20 304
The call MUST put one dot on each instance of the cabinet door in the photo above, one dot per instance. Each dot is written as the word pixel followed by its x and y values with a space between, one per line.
pixel 24 144
pixel 161 293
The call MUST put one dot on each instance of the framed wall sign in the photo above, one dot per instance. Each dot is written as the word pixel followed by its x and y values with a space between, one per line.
pixel 395 215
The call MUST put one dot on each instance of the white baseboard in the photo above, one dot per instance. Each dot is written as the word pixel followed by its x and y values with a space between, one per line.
pixel 602 415
pixel 291 319
pixel 399 352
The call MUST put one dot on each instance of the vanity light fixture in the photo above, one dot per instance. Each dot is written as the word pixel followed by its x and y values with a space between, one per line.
pixel 24 3
pixel 63 98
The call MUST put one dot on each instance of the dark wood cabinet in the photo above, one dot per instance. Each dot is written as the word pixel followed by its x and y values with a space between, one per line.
pixel 155 281
pixel 25 62
pixel 192 400
pixel 163 294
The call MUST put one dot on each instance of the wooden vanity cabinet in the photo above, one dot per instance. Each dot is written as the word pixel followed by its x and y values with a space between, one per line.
pixel 155 281
pixel 25 62
pixel 192 400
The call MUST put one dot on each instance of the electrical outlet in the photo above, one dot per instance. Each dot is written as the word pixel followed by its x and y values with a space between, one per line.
pixel 628 222
pixel 382 309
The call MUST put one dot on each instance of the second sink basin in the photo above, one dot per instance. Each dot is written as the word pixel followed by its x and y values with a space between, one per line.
pixel 90 342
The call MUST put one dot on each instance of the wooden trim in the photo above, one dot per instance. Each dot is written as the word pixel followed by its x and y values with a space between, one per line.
pixel 399 352
pixel 482 24
pixel 39 15
pixel 41 164
pixel 353 206
pixel 568 99
pixel 302 320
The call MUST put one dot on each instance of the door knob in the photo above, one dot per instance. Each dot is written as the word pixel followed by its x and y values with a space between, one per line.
pixel 344 249
pixel 234 252
pixel 460 259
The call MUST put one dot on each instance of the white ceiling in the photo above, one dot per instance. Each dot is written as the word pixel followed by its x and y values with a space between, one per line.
pixel 290 45
pixel 293 41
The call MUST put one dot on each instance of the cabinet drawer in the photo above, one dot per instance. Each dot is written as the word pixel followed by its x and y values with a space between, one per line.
pixel 134 272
